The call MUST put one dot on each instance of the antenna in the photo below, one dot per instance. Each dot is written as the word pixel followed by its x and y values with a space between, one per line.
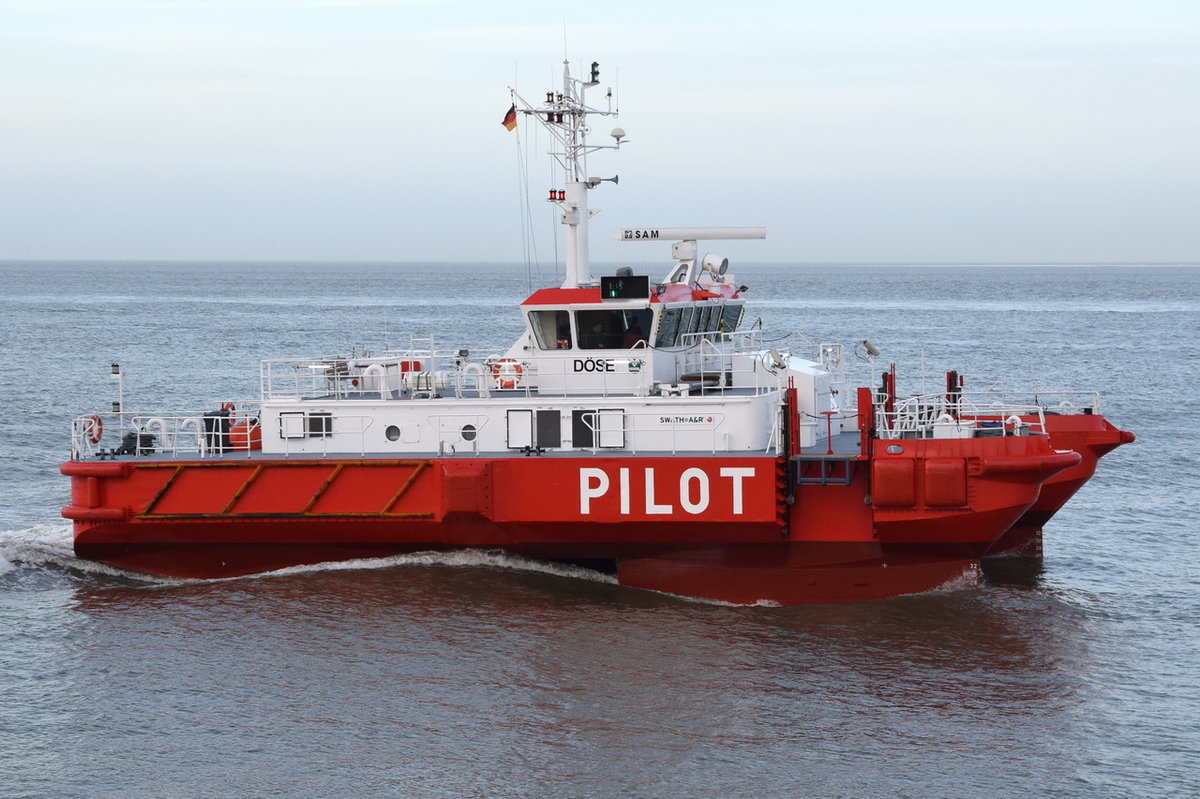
pixel 564 115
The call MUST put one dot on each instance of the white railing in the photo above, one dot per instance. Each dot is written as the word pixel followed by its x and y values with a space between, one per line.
pixel 384 377
pixel 966 415
pixel 1054 402
pixel 208 435
pixel 173 435
pixel 189 436
pixel 451 432
pixel 708 362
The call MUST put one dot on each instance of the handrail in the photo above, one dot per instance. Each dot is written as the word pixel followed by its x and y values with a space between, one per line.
pixel 174 433
pixel 711 362
pixel 173 436
pixel 965 415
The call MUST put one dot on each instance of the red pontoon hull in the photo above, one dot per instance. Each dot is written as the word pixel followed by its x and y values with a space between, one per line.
pixel 1093 437
pixel 736 529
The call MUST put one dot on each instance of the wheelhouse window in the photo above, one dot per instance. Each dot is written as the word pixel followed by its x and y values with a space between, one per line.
pixel 708 319
pixel 613 329
pixel 731 318
pixel 687 320
pixel 552 329
pixel 668 327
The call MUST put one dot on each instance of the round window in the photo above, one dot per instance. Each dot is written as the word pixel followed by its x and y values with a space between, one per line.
pixel 392 432
pixel 469 432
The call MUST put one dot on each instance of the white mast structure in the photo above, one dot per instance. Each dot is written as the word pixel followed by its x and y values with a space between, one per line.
pixel 564 115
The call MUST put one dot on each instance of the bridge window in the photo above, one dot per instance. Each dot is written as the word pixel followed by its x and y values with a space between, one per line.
pixel 552 329
pixel 668 327
pixel 731 318
pixel 618 329
pixel 707 318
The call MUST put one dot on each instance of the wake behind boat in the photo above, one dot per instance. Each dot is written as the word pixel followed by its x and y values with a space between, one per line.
pixel 635 422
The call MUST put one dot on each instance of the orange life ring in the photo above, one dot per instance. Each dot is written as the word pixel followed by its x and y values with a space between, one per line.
pixel 94 429
pixel 507 373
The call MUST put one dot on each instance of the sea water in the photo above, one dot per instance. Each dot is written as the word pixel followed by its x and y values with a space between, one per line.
pixel 476 674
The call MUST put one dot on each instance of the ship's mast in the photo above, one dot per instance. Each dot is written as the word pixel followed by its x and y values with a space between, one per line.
pixel 565 115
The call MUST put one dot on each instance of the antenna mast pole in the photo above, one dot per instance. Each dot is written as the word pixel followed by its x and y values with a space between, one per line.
pixel 564 115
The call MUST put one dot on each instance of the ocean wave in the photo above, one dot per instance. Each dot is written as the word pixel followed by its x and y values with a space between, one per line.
pixel 39 544
pixel 971 577
pixel 464 558
pixel 49 547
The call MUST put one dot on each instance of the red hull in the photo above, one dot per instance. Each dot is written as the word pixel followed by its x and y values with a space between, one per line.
pixel 957 497
pixel 770 583
pixel 735 529
pixel 1093 437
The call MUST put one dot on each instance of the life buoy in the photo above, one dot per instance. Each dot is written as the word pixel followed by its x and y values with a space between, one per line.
pixel 228 406
pixel 507 373
pixel 94 429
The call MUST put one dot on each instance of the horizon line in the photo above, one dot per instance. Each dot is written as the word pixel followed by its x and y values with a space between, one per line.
pixel 426 262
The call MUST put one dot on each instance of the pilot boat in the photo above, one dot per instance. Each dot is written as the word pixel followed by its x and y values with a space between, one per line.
pixel 636 425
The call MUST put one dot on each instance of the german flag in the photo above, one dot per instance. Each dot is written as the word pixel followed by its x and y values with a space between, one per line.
pixel 510 119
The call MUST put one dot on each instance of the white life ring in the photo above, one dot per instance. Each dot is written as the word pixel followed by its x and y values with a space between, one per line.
pixel 507 373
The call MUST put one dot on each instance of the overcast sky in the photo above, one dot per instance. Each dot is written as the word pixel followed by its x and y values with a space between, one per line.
pixel 918 131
